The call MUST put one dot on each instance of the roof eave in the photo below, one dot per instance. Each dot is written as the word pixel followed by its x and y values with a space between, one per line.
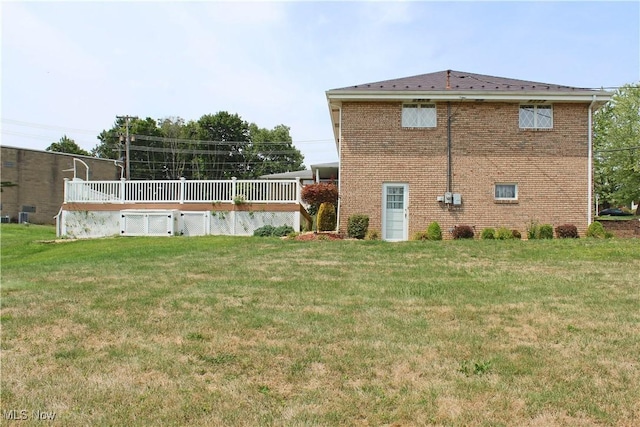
pixel 582 96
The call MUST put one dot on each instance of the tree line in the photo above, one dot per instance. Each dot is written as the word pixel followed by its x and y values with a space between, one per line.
pixel 216 146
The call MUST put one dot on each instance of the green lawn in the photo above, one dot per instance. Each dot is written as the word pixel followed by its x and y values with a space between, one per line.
pixel 261 331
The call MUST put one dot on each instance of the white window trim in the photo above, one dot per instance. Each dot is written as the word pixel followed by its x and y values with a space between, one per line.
pixel 495 186
pixel 419 106
pixel 535 116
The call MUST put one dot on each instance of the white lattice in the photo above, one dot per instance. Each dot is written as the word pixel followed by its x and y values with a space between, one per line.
pixel 166 223
pixel 247 222
pixel 159 224
pixel 221 223
pixel 133 224
pixel 148 223
pixel 195 223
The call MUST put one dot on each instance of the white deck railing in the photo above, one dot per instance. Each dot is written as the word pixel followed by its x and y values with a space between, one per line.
pixel 183 191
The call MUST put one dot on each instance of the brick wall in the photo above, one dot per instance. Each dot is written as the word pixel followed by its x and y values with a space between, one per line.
pixel 622 229
pixel 549 166
pixel 39 176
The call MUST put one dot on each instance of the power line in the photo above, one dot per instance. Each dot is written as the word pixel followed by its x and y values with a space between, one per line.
pixel 610 150
pixel 63 129
pixel 43 126
pixel 212 142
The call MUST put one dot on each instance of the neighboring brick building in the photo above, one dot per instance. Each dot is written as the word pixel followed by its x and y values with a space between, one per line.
pixel 37 181
pixel 463 149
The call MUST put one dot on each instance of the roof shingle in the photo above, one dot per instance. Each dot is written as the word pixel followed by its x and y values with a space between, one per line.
pixel 450 80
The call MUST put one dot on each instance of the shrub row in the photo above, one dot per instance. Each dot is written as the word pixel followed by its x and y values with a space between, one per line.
pixel 357 228
pixel 271 231
pixel 534 231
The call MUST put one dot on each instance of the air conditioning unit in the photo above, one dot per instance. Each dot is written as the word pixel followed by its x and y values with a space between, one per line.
pixel 5 219
pixel 23 217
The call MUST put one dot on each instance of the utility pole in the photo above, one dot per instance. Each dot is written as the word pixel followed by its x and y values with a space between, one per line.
pixel 127 143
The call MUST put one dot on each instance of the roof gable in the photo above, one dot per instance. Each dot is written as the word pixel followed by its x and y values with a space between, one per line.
pixel 451 80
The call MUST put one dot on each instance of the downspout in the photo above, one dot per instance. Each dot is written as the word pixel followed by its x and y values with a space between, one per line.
pixel 449 172
pixel 339 168
pixel 590 162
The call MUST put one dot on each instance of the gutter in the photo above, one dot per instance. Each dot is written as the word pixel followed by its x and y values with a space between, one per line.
pixel 590 162
pixel 453 95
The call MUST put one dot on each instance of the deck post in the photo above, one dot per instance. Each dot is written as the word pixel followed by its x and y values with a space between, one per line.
pixel 298 191
pixel 182 184
pixel 66 190
pixel 233 188
pixel 122 190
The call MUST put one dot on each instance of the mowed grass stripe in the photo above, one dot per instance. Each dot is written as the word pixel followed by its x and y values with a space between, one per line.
pixel 260 331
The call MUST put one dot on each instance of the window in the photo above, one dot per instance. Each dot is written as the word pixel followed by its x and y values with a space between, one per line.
pixel 536 117
pixel 418 115
pixel 506 192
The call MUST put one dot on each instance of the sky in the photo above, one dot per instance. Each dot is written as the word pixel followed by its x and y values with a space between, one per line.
pixel 69 68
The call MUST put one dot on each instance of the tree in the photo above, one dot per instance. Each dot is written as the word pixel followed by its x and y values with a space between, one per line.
pixel 272 151
pixel 67 145
pixel 216 146
pixel 229 137
pixel 617 147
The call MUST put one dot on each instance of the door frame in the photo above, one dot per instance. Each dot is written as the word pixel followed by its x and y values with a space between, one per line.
pixel 405 224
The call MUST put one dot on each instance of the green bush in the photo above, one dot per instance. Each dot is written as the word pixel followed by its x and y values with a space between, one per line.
pixel 545 231
pixel 283 230
pixel 597 231
pixel 270 231
pixel 533 230
pixel 372 235
pixel 567 231
pixel 357 226
pixel 434 232
pixel 264 231
pixel 503 233
pixel 463 232
pixel 488 234
pixel 419 235
pixel 316 194
pixel 327 217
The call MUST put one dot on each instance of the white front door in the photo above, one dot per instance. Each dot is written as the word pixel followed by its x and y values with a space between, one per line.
pixel 395 202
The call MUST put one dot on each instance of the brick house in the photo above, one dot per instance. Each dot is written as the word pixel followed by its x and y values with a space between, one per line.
pixel 36 181
pixel 464 149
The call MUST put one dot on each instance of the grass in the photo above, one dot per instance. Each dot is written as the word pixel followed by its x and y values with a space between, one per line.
pixel 261 331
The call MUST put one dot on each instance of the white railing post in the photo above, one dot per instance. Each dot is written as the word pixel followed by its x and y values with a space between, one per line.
pixel 182 184
pixel 233 188
pixel 298 191
pixel 122 188
pixel 66 190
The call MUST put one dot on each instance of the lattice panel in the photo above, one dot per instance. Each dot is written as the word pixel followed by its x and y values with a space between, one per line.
pixel 159 225
pixel 248 222
pixel 221 223
pixel 194 223
pixel 134 224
